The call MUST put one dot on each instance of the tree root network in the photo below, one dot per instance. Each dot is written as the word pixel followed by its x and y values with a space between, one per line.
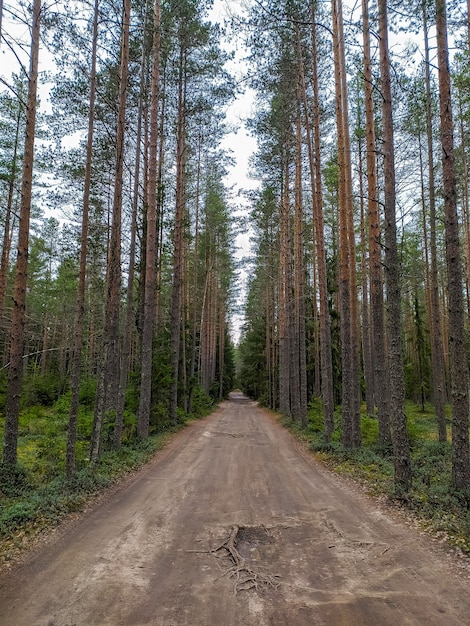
pixel 245 577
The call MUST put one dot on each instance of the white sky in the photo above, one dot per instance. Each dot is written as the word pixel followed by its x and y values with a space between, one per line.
pixel 240 143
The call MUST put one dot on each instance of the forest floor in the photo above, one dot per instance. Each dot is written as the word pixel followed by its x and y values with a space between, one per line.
pixel 234 523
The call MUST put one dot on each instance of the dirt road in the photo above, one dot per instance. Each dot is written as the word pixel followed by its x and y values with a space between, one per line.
pixel 234 525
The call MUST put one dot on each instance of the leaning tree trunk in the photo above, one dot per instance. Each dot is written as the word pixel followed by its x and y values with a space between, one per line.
pixel 457 349
pixel 12 408
pixel 401 446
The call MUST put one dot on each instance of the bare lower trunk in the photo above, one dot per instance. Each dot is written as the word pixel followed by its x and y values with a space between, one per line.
pixel 457 348
pixel 378 338
pixel 176 302
pixel 80 303
pixel 151 244
pixel 437 349
pixel 15 371
pixel 108 376
pixel 398 418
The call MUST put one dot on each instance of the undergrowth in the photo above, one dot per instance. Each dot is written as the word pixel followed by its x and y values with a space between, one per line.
pixel 432 499
pixel 27 506
pixel 35 494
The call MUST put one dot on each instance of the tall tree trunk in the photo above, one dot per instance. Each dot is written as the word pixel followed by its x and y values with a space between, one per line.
pixel 15 371
pixel 457 349
pixel 366 334
pixel 398 420
pixel 284 298
pixel 351 435
pixel 299 272
pixel 80 303
pixel 437 348
pixel 108 376
pixel 324 314
pixel 129 323
pixel 178 247
pixel 151 247
pixel 378 347
pixel 6 243
pixel 195 308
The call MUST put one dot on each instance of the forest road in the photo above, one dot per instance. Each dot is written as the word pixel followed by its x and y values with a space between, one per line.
pixel 233 524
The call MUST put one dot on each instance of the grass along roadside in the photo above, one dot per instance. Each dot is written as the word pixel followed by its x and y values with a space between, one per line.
pixel 35 496
pixel 28 508
pixel 433 501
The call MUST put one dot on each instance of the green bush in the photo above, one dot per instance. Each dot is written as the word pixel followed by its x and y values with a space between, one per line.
pixel 14 480
pixel 43 389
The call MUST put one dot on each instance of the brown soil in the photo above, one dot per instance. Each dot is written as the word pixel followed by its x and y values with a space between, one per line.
pixel 234 524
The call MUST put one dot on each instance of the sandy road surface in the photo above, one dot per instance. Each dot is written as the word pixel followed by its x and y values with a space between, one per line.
pixel 232 503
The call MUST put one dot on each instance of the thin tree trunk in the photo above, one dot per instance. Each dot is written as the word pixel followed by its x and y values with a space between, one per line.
pixel 108 376
pixel 15 371
pixel 351 435
pixel 7 233
pixel 398 420
pixel 175 338
pixel 437 350
pixel 366 334
pixel 128 334
pixel 378 343
pixel 457 349
pixel 80 302
pixel 284 300
pixel 299 271
pixel 193 356
pixel 151 246
pixel 324 314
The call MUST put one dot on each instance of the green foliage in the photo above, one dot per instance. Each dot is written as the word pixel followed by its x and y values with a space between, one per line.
pixel 43 389
pixel 432 498
pixel 202 404
pixel 14 481
pixel 27 507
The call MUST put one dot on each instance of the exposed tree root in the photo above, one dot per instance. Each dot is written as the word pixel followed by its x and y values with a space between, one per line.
pixel 245 576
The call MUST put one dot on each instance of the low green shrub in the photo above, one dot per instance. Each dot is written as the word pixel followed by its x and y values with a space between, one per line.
pixel 14 481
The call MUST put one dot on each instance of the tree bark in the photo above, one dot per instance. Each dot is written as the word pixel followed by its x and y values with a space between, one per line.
pixel 398 419
pixel 151 245
pixel 457 349
pixel 299 274
pixel 437 349
pixel 284 299
pixel 378 342
pixel 80 303
pixel 178 241
pixel 351 434
pixel 12 408
pixel 108 376
pixel 317 186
